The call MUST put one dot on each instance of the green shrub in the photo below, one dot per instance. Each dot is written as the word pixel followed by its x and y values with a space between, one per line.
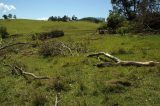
pixel 122 30
pixel 103 26
pixel 114 21
pixel 3 32
pixel 102 29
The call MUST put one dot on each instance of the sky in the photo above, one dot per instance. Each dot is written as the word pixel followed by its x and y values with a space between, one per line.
pixel 42 9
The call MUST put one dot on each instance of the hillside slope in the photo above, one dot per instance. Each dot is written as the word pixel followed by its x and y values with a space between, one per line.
pixel 75 80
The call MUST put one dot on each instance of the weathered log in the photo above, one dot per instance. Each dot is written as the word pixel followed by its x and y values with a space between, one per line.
pixel 117 61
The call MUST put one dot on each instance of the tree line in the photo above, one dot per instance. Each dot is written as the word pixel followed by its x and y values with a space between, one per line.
pixel 65 18
pixel 9 16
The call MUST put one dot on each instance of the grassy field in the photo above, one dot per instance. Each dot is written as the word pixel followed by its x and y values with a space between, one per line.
pixel 79 81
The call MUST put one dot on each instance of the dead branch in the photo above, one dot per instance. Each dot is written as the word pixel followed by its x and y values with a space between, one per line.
pixel 10 45
pixel 19 71
pixel 57 99
pixel 64 46
pixel 117 61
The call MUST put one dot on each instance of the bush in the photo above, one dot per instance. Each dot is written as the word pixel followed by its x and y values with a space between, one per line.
pixel 154 21
pixel 102 29
pixel 114 21
pixel 48 35
pixel 53 49
pixel 3 32
pixel 93 19
pixel 103 26
pixel 122 30
pixel 146 23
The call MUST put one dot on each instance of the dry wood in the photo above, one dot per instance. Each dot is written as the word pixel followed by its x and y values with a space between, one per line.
pixel 64 46
pixel 117 61
pixel 19 71
pixel 57 99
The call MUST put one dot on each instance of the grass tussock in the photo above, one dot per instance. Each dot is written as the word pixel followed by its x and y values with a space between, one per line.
pixel 39 99
pixel 116 86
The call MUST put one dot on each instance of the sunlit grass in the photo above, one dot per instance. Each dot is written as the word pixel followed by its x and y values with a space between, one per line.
pixel 85 83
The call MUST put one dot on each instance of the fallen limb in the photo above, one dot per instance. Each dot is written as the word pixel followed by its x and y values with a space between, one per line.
pixel 10 45
pixel 19 71
pixel 57 100
pixel 116 61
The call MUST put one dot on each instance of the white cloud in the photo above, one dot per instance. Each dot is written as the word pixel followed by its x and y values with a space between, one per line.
pixel 44 18
pixel 5 8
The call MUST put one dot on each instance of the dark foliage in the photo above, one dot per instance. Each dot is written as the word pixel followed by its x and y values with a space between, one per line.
pixel 74 18
pixel 9 16
pixel 93 19
pixel 152 20
pixel 114 21
pixel 3 32
pixel 48 35
pixel 5 16
pixel 143 16
pixel 65 18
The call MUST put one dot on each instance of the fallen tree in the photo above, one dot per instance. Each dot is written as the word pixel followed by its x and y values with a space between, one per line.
pixel 116 61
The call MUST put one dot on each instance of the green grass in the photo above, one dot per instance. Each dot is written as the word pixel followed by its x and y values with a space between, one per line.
pixel 82 83
pixel 32 26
